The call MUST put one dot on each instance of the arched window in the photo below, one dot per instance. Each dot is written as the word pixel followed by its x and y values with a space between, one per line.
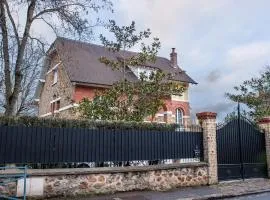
pixel 179 117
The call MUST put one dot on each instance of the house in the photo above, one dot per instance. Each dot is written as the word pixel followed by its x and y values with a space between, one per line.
pixel 72 71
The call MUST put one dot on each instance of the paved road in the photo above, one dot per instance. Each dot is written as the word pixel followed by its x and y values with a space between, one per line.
pixel 265 196
pixel 226 188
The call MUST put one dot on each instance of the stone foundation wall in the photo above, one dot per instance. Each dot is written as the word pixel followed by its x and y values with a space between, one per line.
pixel 158 180
pixel 72 182
pixel 8 189
pixel 264 124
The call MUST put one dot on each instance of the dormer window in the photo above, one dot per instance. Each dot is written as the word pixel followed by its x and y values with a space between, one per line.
pixel 138 71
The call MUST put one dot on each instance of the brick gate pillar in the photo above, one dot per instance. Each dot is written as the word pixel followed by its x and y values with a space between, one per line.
pixel 208 123
pixel 265 125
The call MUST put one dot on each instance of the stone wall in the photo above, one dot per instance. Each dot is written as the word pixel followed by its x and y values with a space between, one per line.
pixel 89 181
pixel 265 126
pixel 208 123
pixel 8 189
pixel 158 180
pixel 62 89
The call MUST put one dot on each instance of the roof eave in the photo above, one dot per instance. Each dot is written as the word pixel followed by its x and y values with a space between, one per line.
pixel 85 84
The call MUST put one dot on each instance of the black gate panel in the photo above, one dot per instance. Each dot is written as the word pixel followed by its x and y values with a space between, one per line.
pixel 241 150
pixel 229 171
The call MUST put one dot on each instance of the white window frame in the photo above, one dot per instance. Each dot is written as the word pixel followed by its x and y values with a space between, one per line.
pixel 55 76
pixel 178 111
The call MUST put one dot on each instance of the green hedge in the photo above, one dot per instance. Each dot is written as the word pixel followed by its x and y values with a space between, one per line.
pixel 67 123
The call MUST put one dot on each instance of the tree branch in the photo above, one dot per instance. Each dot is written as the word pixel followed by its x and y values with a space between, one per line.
pixel 40 42
pixel 51 10
pixel 12 23
pixel 18 74
pixel 53 28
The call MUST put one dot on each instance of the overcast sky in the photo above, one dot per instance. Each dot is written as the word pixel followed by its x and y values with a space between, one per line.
pixel 219 43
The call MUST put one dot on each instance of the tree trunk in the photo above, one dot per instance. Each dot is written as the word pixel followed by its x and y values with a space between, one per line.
pixel 12 97
pixel 8 84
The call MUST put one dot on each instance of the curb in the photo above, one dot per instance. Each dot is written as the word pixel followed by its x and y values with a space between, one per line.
pixel 222 196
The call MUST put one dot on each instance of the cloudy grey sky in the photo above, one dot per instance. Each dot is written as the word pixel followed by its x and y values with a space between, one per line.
pixel 220 43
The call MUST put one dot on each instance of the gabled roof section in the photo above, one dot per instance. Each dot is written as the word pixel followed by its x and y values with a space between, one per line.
pixel 81 61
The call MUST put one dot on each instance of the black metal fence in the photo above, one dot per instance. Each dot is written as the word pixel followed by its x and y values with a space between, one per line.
pixel 241 150
pixel 22 145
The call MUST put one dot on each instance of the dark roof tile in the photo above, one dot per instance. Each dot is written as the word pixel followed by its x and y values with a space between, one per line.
pixel 82 64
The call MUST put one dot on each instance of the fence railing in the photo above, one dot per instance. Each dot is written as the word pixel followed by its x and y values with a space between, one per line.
pixel 39 145
pixel 10 179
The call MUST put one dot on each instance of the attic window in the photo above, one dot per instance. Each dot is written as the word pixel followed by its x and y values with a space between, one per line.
pixel 55 106
pixel 55 76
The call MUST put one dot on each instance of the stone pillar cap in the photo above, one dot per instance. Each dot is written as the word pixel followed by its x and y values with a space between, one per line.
pixel 265 120
pixel 206 115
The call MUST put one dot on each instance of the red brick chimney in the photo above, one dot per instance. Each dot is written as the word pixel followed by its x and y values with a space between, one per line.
pixel 174 58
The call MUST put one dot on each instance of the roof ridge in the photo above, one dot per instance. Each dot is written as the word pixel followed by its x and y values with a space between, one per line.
pixel 98 45
pixel 83 63
pixel 78 41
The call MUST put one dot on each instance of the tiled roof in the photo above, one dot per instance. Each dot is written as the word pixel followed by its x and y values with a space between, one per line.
pixel 82 64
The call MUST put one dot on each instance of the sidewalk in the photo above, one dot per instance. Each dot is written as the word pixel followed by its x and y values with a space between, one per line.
pixel 225 189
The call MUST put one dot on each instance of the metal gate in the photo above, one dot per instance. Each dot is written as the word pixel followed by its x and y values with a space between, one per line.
pixel 241 150
pixel 9 177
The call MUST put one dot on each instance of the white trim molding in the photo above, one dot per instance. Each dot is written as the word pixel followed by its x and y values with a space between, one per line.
pixel 68 107
pixel 167 113
pixel 45 115
pixel 147 121
pixel 184 101
pixel 160 122
pixel 186 116
pixel 61 109
pixel 52 69
pixel 55 100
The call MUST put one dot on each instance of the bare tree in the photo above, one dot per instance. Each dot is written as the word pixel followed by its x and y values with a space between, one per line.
pixel 31 66
pixel 19 58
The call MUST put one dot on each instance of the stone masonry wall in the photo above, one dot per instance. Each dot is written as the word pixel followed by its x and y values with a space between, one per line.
pixel 265 125
pixel 208 123
pixel 158 180
pixel 90 181
pixel 63 89
pixel 8 189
